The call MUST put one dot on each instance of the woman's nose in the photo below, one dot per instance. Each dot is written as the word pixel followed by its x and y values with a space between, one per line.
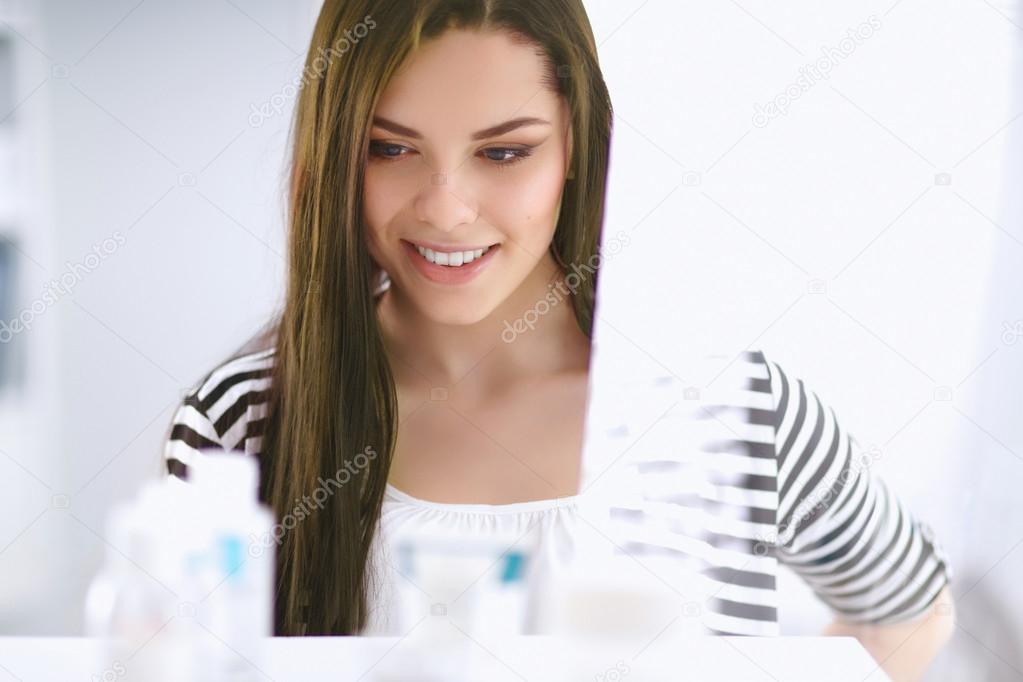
pixel 442 205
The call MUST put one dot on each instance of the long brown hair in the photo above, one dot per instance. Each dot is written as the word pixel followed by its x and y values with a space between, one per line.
pixel 333 393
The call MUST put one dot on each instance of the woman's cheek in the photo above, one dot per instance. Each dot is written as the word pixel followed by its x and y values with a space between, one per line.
pixel 374 217
pixel 379 202
pixel 529 207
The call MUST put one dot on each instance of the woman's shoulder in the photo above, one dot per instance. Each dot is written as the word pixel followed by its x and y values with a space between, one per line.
pixel 225 410
pixel 234 381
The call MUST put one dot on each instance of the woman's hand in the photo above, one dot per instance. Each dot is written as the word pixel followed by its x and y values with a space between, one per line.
pixel 904 650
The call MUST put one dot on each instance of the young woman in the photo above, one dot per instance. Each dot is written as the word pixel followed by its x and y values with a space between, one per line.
pixel 449 163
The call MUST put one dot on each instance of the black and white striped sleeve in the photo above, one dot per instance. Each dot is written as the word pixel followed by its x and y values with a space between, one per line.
pixel 225 411
pixel 840 527
pixel 191 431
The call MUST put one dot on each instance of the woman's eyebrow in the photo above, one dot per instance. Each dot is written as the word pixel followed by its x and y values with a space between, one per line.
pixel 493 131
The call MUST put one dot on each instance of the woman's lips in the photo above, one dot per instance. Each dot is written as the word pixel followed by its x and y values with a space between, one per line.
pixel 449 249
pixel 447 274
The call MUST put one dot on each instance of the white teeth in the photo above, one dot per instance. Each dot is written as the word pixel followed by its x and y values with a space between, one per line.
pixel 453 259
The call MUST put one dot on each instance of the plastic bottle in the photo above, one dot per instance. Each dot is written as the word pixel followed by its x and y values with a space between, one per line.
pixel 236 572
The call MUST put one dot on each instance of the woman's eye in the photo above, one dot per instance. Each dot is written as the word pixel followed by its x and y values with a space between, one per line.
pixel 498 156
pixel 501 155
pixel 385 150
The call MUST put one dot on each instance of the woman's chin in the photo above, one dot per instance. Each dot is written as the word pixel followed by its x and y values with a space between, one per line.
pixel 455 314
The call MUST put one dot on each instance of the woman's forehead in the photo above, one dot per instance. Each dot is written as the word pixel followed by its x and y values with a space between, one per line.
pixel 468 81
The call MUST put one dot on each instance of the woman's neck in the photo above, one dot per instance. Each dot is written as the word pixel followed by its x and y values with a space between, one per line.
pixel 504 346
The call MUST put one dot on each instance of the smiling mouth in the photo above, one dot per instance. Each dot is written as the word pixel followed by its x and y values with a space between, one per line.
pixel 453 259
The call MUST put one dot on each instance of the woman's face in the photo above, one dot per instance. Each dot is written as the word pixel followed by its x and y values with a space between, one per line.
pixel 440 174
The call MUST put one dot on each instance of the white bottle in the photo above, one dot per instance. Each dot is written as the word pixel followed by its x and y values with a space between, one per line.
pixel 236 570
pixel 131 604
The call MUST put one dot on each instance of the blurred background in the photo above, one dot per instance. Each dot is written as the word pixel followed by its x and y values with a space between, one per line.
pixel 839 186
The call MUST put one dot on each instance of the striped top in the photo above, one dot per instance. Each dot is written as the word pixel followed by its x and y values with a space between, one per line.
pixel 779 483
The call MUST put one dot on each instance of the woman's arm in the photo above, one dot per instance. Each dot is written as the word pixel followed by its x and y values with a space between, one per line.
pixel 848 535
pixel 905 650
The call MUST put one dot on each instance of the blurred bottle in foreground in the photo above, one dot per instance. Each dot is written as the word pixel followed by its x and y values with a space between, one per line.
pixel 186 587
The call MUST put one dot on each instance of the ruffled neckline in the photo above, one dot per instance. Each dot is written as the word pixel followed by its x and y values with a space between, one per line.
pixel 530 506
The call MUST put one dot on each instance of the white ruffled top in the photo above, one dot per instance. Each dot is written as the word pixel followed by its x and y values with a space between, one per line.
pixel 543 529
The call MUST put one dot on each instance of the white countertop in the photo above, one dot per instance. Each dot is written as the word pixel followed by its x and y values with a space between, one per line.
pixel 529 658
